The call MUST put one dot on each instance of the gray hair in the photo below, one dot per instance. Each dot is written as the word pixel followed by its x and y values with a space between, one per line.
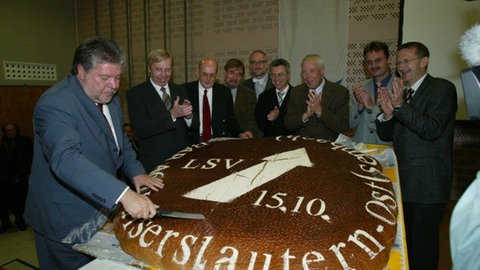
pixel 94 51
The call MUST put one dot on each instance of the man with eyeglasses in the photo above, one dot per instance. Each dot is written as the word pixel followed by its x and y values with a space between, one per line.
pixel 272 103
pixel 213 103
pixel 364 105
pixel 420 121
pixel 260 80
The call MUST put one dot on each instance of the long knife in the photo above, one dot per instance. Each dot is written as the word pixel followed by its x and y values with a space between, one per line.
pixel 177 214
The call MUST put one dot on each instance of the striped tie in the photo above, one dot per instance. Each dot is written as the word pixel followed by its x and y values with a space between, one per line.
pixel 166 99
pixel 409 96
pixel 280 98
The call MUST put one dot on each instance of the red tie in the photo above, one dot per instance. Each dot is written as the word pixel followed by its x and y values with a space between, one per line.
pixel 207 130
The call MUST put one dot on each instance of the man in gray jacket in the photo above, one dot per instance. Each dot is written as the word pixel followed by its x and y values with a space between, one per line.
pixel 364 105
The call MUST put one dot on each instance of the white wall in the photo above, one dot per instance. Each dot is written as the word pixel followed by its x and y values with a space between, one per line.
pixel 439 24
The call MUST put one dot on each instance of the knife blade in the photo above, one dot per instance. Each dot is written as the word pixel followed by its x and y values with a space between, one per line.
pixel 177 214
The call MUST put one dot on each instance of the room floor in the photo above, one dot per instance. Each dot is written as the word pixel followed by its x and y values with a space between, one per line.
pixel 15 244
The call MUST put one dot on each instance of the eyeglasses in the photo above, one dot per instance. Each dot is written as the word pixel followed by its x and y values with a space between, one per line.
pixel 258 62
pixel 407 61
pixel 376 61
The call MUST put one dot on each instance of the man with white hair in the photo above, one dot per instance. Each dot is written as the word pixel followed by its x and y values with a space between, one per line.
pixel 317 108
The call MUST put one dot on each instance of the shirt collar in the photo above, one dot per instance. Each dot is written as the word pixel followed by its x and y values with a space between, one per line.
pixel 158 87
pixel 201 88
pixel 261 80
pixel 320 87
pixel 385 80
pixel 417 84
pixel 284 91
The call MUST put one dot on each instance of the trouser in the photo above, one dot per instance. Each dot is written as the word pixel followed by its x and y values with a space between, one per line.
pixel 54 255
pixel 13 198
pixel 422 227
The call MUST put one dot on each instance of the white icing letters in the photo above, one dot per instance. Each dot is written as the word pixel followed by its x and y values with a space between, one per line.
pixel 131 234
pixel 231 261
pixel 253 258
pixel 211 163
pixel 154 229
pixel 356 240
pixel 235 185
pixel 318 258
pixel 189 165
pixel 228 164
pixel 286 259
pixel 185 250
pixel 385 180
pixel 199 264
pixel 168 234
pixel 341 259
pixel 371 210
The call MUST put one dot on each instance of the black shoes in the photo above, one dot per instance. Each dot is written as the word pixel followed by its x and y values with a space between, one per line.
pixel 5 226
pixel 21 225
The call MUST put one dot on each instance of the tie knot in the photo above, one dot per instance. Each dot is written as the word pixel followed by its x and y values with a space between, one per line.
pixel 205 91
pixel 163 89
pixel 280 97
pixel 100 107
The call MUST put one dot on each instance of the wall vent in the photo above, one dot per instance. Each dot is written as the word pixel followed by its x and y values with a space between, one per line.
pixel 29 71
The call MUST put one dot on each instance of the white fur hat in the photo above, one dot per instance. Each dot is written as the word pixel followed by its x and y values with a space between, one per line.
pixel 470 46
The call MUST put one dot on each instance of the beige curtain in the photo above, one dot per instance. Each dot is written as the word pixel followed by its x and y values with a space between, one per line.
pixel 314 26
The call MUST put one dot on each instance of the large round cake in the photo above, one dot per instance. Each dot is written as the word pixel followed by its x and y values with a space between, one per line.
pixel 269 203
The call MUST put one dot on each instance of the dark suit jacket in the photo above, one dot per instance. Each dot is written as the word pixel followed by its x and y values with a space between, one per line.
pixel 334 118
pixel 73 181
pixel 422 133
pixel 250 84
pixel 245 109
pixel 266 102
pixel 159 136
pixel 224 123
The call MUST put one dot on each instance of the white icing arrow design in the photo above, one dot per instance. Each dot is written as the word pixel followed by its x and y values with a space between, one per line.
pixel 235 185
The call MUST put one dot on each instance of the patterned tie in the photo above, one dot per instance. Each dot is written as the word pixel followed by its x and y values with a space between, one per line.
pixel 280 98
pixel 376 90
pixel 207 130
pixel 166 98
pixel 258 86
pixel 409 96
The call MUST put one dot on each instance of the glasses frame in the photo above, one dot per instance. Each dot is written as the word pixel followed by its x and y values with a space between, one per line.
pixel 407 61
pixel 376 61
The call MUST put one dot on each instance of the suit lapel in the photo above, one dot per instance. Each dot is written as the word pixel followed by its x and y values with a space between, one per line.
pixel 215 101
pixel 114 109
pixel 194 95
pixel 286 97
pixel 98 119
pixel 421 89
pixel 153 97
